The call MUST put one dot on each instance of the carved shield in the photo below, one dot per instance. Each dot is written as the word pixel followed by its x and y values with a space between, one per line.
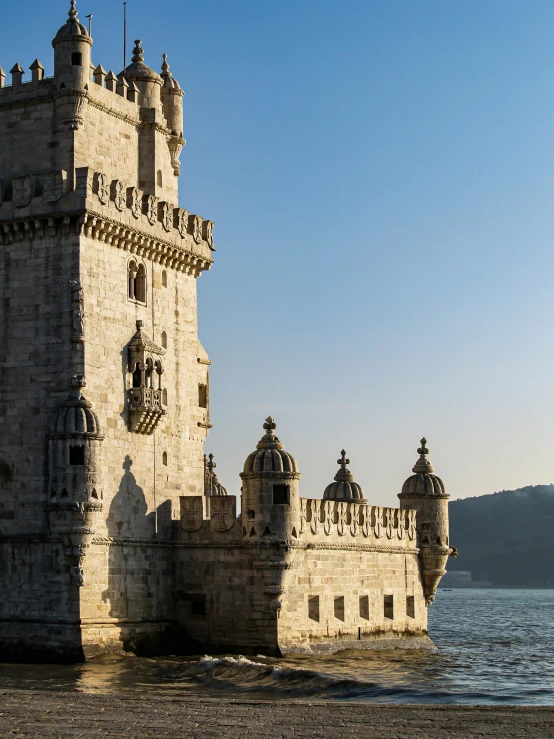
pixel 101 187
pixel 390 522
pixel 342 511
pixel 166 216
pixel 378 525
pixel 208 233
pixel 366 521
pixel 134 201
pixel 53 187
pixel 196 229
pixel 22 191
pixel 151 208
pixel 316 513
pixel 328 514
pixel 401 523
pixel 354 524
pixel 182 221
pixel 118 194
pixel 223 512
pixel 192 515
pixel 412 524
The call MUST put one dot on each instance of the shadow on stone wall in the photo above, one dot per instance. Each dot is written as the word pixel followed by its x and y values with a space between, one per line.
pixel 134 589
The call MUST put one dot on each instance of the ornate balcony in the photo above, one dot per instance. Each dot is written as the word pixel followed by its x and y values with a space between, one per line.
pixel 145 409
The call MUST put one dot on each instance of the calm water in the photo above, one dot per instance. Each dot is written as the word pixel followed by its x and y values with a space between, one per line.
pixel 495 646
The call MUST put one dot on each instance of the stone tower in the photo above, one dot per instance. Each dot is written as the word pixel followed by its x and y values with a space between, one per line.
pixel 425 493
pixel 105 389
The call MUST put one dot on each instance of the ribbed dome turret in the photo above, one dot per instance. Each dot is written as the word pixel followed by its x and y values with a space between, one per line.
pixel 270 455
pixel 76 417
pixel 215 488
pixel 72 27
pixel 138 71
pixel 344 487
pixel 169 81
pixel 423 482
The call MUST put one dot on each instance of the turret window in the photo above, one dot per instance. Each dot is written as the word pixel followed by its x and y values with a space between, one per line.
pixel 137 282
pixel 281 495
pixel 76 455
pixel 77 59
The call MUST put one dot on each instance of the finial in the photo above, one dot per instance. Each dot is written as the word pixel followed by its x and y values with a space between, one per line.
pixel 423 449
pixel 211 464
pixel 139 325
pixel 138 51
pixel 73 11
pixel 423 465
pixel 270 425
pixel 343 472
pixel 343 461
pixel 165 67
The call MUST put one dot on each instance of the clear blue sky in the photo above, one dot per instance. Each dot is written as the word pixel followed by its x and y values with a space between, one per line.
pixel 381 176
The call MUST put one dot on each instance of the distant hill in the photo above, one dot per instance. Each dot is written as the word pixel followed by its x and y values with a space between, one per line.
pixel 507 537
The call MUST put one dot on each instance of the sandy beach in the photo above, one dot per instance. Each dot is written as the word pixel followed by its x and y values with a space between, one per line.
pixel 60 714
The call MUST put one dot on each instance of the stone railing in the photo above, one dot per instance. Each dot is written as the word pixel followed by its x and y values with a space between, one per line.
pixel 320 519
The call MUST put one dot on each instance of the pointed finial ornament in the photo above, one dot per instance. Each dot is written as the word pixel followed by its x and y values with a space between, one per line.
pixel 138 52
pixel 344 473
pixel 211 464
pixel 165 67
pixel 270 425
pixel 423 465
pixel 73 11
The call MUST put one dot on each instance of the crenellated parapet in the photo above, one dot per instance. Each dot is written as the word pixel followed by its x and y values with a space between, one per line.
pixel 108 210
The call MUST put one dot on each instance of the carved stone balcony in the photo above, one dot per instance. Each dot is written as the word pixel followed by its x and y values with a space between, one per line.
pixel 145 409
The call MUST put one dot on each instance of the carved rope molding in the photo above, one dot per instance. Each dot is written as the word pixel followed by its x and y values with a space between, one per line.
pixel 93 225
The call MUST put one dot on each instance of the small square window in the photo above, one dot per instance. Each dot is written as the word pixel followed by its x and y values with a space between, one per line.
pixel 251 514
pixel 281 495
pixel 77 59
pixel 77 455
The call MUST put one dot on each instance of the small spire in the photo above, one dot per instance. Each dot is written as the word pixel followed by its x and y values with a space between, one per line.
pixel 270 425
pixel 73 11
pixel 269 440
pixel 423 465
pixel 138 52
pixel 211 464
pixel 139 325
pixel 343 473
pixel 165 67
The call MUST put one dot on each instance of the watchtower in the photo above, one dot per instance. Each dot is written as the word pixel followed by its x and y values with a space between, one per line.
pixel 105 402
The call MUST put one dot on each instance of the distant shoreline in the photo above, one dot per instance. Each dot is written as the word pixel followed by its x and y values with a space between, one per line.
pixel 49 714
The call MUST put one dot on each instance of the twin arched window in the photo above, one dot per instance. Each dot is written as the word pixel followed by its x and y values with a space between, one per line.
pixel 137 282
pixel 144 375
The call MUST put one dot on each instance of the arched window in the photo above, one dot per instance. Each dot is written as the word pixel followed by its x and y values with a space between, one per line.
pixel 164 278
pixel 140 284
pixel 149 372
pixel 164 458
pixel 132 272
pixel 137 376
pixel 164 339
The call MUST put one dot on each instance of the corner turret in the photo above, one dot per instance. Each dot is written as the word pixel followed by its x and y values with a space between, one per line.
pixel 425 493
pixel 72 53
pixel 148 82
pixel 270 497
pixel 172 105
pixel 344 487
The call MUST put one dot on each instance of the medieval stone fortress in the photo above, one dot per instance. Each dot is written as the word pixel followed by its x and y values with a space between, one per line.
pixel 115 532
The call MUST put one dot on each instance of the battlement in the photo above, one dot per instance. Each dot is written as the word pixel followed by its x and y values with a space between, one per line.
pixel 322 523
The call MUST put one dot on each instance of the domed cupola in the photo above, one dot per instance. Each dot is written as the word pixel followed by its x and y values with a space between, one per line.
pixel 147 81
pixel 214 488
pixel 344 487
pixel 72 27
pixel 270 456
pixel 423 482
pixel 76 418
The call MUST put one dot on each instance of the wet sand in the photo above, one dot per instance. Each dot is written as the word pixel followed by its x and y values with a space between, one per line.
pixel 47 714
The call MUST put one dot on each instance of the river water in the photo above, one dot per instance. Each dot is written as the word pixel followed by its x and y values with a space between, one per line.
pixel 494 647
